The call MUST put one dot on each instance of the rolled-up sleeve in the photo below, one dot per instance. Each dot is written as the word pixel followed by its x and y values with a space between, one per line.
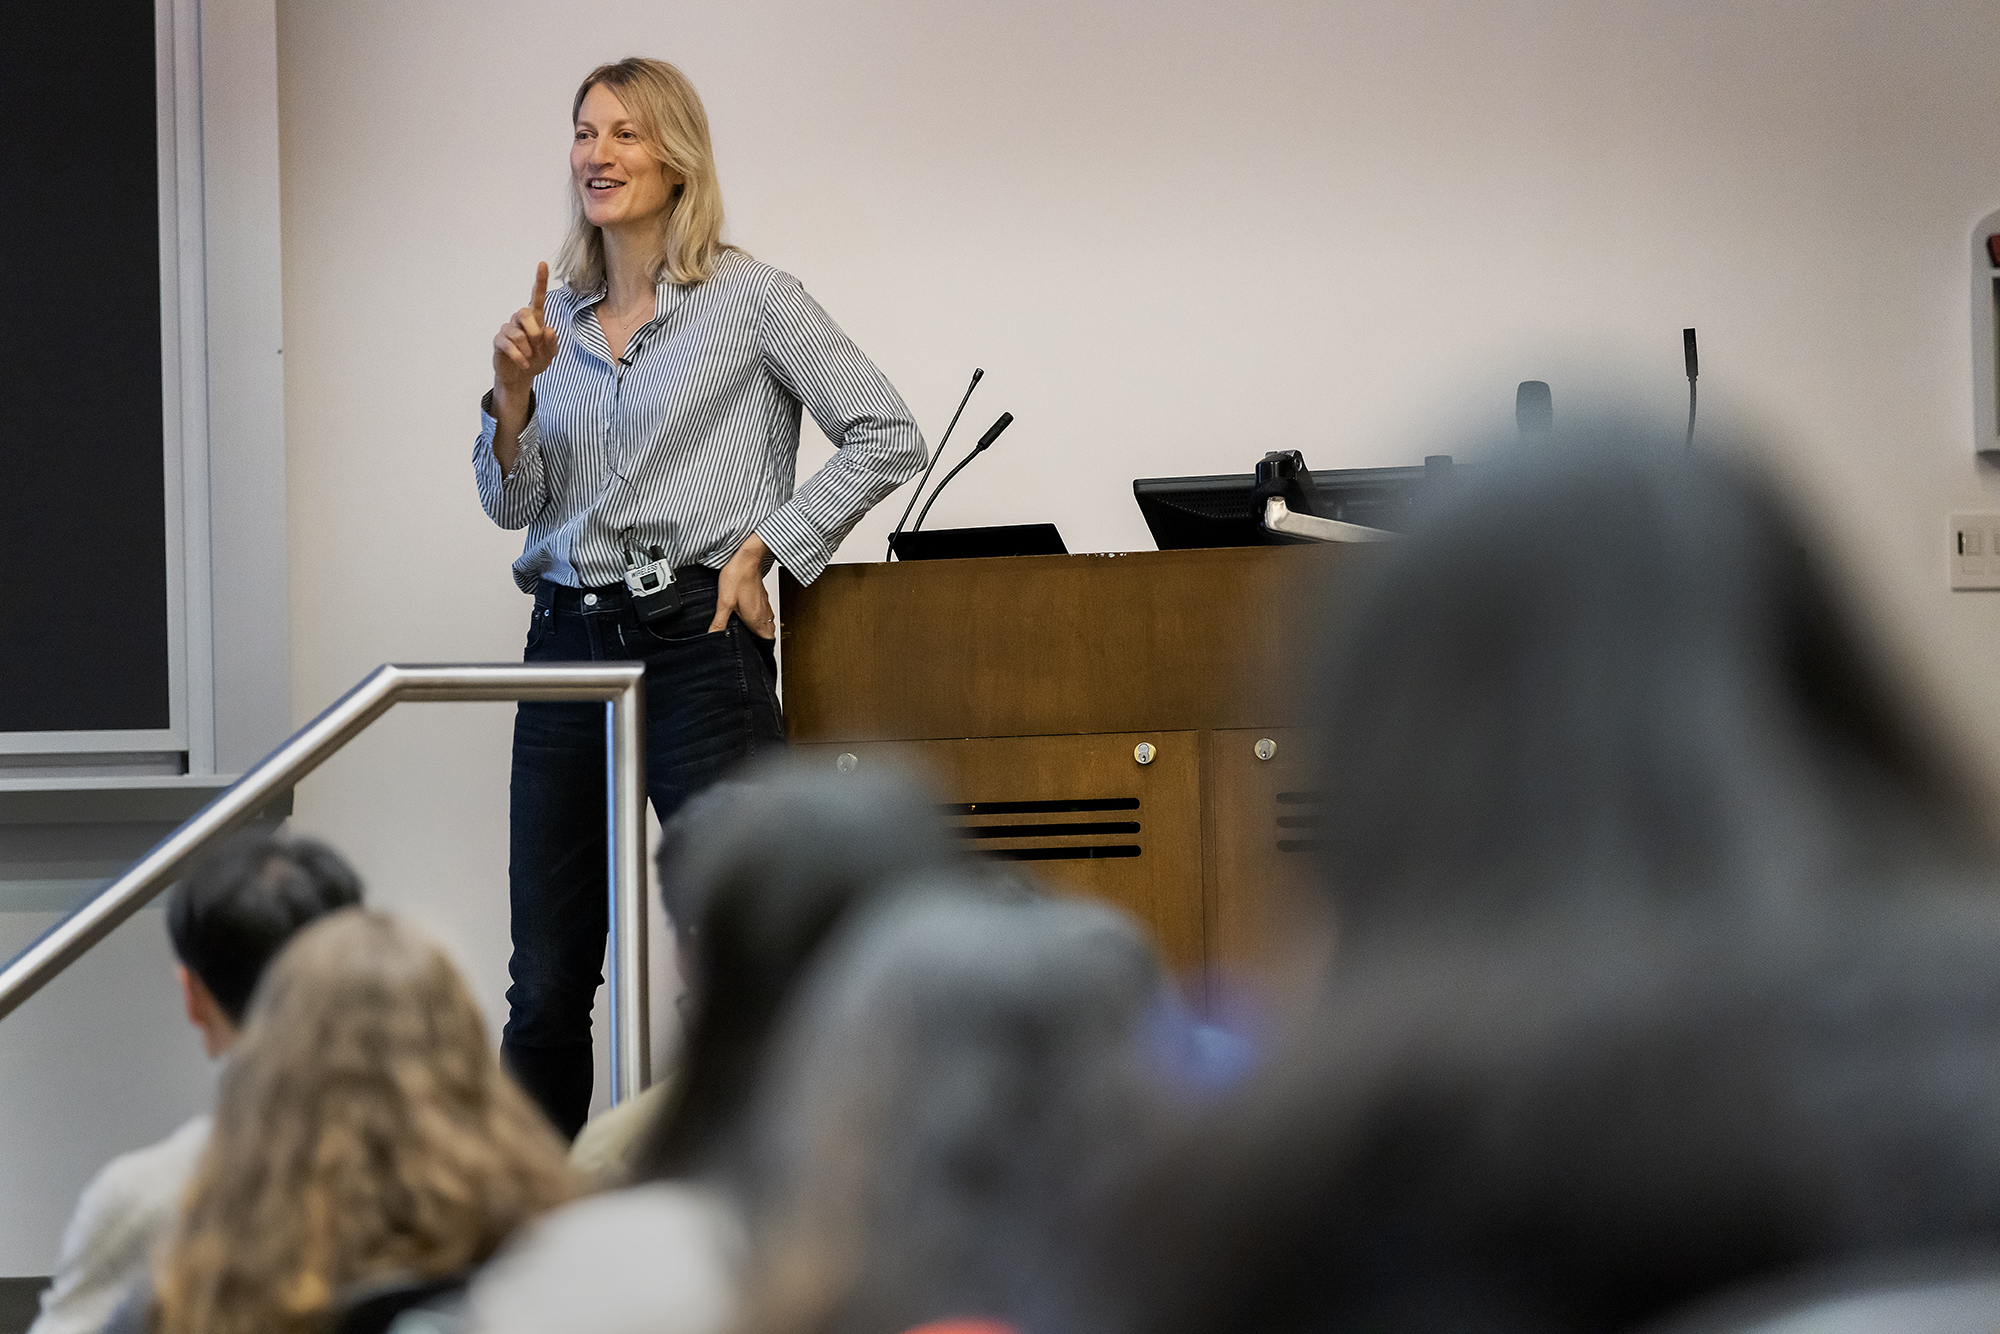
pixel 879 446
pixel 510 499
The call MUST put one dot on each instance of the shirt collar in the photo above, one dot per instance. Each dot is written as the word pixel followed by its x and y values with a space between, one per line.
pixel 666 296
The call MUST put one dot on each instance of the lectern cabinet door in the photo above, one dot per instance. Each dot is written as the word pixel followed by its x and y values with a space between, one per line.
pixel 1265 815
pixel 1116 816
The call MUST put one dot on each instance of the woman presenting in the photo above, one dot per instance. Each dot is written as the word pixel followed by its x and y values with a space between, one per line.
pixel 652 401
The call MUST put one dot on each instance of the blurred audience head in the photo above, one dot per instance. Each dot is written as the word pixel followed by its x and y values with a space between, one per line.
pixel 756 875
pixel 363 1130
pixel 1587 1124
pixel 1658 971
pixel 1612 668
pixel 230 916
pixel 960 1084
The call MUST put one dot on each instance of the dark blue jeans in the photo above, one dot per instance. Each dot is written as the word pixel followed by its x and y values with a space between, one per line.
pixel 711 702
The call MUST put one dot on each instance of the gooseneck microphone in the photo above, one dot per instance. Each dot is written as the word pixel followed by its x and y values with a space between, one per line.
pixel 936 454
pixel 1694 369
pixel 992 434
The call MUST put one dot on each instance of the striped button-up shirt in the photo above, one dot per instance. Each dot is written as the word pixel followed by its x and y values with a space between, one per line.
pixel 691 442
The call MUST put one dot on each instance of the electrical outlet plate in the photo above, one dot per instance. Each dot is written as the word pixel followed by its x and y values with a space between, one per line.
pixel 1974 547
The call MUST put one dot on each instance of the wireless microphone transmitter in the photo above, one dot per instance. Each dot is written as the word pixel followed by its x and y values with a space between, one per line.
pixel 654 596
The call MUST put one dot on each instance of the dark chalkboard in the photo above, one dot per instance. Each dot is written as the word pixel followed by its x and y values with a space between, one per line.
pixel 83 616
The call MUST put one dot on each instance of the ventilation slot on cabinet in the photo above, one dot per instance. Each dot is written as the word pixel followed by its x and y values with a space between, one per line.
pixel 1044 807
pixel 1050 830
pixel 1090 853
pixel 1297 811
pixel 1047 840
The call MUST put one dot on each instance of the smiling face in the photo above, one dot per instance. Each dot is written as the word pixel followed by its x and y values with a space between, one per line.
pixel 619 182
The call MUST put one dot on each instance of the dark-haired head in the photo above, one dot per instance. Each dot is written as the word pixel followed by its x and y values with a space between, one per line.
pixel 237 909
pixel 1612 667
pixel 757 874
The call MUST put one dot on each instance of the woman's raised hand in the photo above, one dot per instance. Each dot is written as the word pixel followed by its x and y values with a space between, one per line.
pixel 525 346
pixel 522 349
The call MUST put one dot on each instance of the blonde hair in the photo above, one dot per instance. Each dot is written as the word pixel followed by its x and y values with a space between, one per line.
pixel 363 1129
pixel 674 129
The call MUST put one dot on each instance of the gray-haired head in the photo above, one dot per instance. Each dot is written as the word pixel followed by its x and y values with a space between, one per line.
pixel 962 1080
pixel 788 833
pixel 758 874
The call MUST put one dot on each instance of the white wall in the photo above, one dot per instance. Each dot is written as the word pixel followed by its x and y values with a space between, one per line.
pixel 99 1061
pixel 1175 235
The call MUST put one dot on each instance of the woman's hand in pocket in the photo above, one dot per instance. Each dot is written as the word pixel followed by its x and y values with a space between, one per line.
pixel 740 589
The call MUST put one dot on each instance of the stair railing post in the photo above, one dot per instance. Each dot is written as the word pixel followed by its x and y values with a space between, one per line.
pixel 625 788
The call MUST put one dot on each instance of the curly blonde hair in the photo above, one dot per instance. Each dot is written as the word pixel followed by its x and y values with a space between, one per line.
pixel 674 129
pixel 363 1129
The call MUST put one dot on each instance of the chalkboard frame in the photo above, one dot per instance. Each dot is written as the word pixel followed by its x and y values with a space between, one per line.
pixel 187 743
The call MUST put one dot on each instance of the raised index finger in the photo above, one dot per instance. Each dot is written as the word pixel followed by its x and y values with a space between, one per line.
pixel 541 291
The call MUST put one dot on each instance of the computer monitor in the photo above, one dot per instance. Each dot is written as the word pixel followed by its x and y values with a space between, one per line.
pixel 1192 512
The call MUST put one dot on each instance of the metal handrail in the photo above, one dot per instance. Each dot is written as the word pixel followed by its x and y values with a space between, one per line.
pixel 621 685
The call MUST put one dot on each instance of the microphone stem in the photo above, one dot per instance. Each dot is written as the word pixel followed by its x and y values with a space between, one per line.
pixel 936 454
pixel 1690 438
pixel 942 485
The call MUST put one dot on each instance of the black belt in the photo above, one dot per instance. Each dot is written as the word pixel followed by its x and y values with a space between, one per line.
pixel 614 597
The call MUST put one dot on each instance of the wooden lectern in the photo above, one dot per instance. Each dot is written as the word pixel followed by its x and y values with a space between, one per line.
pixel 1130 726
